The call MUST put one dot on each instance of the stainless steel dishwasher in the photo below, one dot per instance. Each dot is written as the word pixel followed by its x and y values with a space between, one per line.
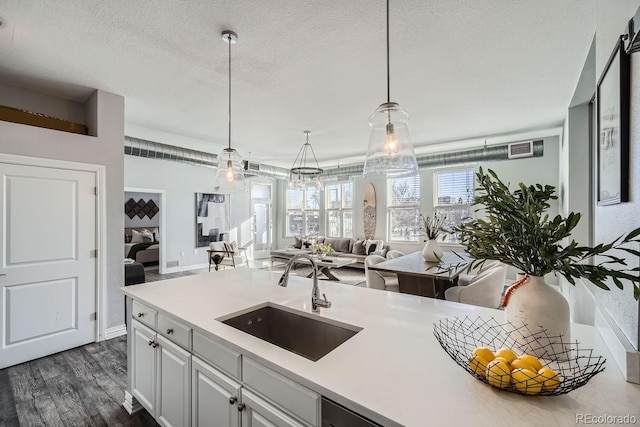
pixel 334 415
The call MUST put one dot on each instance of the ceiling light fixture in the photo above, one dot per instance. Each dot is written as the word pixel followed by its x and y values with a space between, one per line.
pixel 301 174
pixel 390 151
pixel 230 173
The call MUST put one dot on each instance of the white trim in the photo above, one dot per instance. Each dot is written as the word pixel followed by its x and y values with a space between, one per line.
pixel 131 405
pixel 101 225
pixel 162 269
pixel 184 268
pixel 626 356
pixel 115 331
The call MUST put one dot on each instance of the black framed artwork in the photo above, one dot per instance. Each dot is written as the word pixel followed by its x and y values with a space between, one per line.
pixel 613 101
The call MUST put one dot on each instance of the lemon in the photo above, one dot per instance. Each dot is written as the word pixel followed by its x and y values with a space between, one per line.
pixel 507 353
pixel 533 361
pixel 527 381
pixel 478 365
pixel 502 359
pixel 519 363
pixel 551 380
pixel 485 353
pixel 498 374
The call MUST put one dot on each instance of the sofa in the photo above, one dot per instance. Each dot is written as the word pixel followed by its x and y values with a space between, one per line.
pixel 344 247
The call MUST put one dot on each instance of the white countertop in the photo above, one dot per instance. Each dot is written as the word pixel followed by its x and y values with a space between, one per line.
pixel 394 371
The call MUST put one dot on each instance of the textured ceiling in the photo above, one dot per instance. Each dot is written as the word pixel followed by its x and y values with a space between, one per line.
pixel 463 69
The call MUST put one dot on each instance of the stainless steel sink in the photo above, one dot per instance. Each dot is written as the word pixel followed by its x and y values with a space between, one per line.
pixel 304 334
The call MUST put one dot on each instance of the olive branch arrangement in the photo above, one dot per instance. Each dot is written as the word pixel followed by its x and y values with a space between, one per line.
pixel 516 231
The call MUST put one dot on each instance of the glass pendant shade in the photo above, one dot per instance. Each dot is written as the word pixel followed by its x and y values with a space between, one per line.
pixel 230 173
pixel 390 151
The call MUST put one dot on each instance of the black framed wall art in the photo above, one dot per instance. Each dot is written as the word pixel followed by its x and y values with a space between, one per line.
pixel 613 101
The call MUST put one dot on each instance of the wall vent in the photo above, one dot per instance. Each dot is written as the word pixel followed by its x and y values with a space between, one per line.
pixel 252 166
pixel 172 263
pixel 521 149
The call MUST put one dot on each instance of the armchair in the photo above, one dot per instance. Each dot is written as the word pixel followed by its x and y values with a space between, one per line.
pixel 484 290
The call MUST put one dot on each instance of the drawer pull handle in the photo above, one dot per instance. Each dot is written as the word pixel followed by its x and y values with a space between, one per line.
pixel 232 400
pixel 140 314
pixel 169 331
pixel 241 407
pixel 155 344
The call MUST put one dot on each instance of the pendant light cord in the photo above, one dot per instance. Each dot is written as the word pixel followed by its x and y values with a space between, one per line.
pixel 388 78
pixel 229 39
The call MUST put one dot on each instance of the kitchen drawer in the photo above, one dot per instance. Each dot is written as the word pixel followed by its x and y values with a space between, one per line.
pixel 174 330
pixel 291 396
pixel 144 314
pixel 217 354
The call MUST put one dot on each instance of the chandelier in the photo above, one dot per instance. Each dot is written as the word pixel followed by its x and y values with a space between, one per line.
pixel 230 172
pixel 390 152
pixel 302 174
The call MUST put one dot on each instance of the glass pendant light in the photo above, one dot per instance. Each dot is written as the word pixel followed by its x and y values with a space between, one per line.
pixel 230 172
pixel 390 151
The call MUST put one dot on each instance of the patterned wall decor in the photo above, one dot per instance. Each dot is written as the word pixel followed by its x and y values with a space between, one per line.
pixel 369 213
pixel 141 208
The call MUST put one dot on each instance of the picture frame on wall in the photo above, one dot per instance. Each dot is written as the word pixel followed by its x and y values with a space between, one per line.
pixel 612 109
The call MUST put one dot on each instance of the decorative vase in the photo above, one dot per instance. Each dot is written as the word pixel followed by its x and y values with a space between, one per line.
pixel 432 252
pixel 539 306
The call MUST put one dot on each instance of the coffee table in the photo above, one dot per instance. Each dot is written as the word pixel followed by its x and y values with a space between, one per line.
pixel 328 263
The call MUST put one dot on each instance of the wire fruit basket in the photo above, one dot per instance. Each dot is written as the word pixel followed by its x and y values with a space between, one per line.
pixel 575 366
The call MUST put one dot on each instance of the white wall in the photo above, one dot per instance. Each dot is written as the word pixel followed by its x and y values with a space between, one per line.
pixel 612 221
pixel 181 182
pixel 103 113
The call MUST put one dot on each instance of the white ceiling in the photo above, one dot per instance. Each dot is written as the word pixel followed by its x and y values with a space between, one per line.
pixel 463 69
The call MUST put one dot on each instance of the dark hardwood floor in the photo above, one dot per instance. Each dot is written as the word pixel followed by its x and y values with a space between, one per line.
pixel 83 386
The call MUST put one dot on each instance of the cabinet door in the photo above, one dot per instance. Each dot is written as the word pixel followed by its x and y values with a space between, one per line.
pixel 214 397
pixel 143 354
pixel 258 413
pixel 174 385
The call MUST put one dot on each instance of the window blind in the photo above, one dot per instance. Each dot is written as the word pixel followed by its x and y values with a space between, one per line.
pixel 453 187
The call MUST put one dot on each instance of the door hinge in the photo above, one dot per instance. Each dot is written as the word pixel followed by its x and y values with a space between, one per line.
pixel 95 190
pixel 93 316
pixel 94 253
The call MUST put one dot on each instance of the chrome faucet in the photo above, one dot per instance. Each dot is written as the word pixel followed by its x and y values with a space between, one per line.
pixel 316 301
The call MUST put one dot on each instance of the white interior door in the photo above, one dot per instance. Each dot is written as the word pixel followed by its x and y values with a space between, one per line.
pixel 48 264
pixel 262 227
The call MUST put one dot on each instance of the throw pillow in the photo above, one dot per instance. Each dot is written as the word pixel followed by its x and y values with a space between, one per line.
pixel 382 252
pixel 297 242
pixel 136 237
pixel 373 245
pixel 156 234
pixel 147 236
pixel 358 248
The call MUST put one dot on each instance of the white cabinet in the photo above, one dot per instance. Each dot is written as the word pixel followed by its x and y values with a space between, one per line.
pixel 174 383
pixel 161 377
pixel 184 378
pixel 143 366
pixel 258 413
pixel 214 397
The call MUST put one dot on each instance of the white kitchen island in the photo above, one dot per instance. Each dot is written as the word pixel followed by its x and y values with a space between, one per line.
pixel 393 372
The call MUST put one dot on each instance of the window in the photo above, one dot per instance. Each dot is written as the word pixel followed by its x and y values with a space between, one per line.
pixel 452 196
pixel 303 211
pixel 340 209
pixel 403 200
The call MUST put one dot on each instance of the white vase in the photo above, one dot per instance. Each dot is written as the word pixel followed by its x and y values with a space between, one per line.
pixel 540 306
pixel 432 252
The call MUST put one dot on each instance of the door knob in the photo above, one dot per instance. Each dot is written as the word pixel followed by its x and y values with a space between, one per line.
pixel 169 331
pixel 232 400
pixel 241 407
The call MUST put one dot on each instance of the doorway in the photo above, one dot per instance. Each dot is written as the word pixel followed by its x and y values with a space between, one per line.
pixel 159 232
pixel 261 220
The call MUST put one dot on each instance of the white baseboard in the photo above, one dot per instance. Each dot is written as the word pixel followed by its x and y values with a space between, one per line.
pixel 131 405
pixel 184 268
pixel 115 331
pixel 626 356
